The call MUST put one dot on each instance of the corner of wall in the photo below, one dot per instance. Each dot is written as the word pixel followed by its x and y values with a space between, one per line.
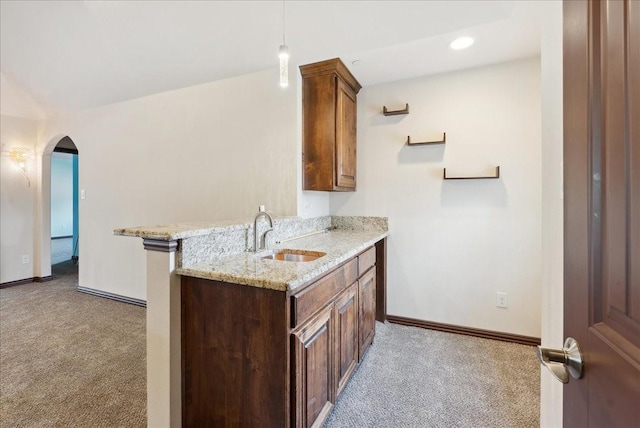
pixel 551 405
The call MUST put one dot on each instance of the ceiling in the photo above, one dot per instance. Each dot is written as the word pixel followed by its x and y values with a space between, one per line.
pixel 80 54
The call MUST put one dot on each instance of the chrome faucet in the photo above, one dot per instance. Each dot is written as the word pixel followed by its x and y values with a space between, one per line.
pixel 263 239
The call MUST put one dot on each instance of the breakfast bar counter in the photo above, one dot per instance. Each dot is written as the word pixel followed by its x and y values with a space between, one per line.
pixel 289 323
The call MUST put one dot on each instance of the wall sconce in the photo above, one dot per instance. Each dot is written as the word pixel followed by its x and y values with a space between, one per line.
pixel 20 156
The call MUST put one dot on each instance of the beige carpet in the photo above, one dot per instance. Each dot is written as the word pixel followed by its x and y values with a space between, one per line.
pixel 418 378
pixel 72 360
pixel 68 359
pixel 61 250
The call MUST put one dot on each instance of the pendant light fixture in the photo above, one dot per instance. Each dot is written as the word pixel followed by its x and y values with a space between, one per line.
pixel 283 54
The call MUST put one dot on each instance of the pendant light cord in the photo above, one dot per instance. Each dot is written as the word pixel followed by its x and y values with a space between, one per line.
pixel 283 23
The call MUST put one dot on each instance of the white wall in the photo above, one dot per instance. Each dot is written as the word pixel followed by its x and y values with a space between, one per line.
pixel 552 209
pixel 16 102
pixel 17 201
pixel 61 194
pixel 454 244
pixel 209 152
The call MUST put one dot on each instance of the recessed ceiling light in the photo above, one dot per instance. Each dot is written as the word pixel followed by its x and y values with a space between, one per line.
pixel 461 43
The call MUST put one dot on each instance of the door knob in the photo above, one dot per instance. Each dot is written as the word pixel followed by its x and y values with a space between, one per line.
pixel 562 362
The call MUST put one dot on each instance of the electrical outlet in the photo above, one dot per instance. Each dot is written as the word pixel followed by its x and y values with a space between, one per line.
pixel 501 299
pixel 25 259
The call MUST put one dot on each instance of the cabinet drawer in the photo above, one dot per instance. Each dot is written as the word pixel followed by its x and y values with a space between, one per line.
pixel 317 295
pixel 366 260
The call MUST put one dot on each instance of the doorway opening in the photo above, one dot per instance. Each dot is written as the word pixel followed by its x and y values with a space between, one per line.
pixel 64 205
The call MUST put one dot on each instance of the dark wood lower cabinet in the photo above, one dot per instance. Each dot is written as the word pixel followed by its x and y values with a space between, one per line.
pixel 367 312
pixel 313 360
pixel 235 355
pixel 346 309
pixel 254 357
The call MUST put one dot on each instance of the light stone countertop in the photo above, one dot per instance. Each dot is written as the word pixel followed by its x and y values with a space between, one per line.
pixel 250 269
pixel 172 232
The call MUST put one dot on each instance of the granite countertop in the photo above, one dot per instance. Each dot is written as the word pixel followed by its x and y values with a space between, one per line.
pixel 250 269
pixel 171 232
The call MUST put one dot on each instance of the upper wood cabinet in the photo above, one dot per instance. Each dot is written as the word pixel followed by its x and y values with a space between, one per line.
pixel 329 126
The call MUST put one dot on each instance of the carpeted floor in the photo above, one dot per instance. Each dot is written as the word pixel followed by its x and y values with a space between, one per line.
pixel 69 359
pixel 414 378
pixel 61 250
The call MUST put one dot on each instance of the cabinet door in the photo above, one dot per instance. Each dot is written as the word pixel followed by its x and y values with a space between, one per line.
pixel 367 298
pixel 313 351
pixel 346 335
pixel 345 168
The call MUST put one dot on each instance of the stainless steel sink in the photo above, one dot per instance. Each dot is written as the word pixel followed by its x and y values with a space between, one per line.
pixel 294 255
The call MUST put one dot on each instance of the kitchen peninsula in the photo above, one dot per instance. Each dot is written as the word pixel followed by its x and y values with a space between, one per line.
pixel 246 339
